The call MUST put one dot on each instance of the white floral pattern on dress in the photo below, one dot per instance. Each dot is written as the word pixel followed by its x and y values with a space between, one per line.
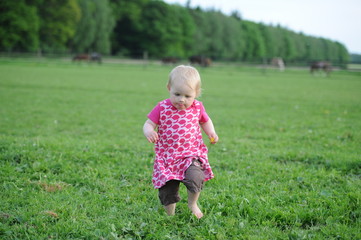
pixel 180 141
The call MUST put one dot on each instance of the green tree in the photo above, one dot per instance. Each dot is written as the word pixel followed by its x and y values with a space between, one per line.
pixel 166 30
pixel 86 27
pixel 155 31
pixel 182 43
pixel 127 33
pixel 301 46
pixel 317 51
pixel 332 50
pixel 202 37
pixel 355 58
pixel 19 26
pixel 343 55
pixel 217 35
pixel 269 41
pixel 289 45
pixel 254 42
pixel 58 23
pixel 225 35
pixel 105 24
pixel 94 28
pixel 232 38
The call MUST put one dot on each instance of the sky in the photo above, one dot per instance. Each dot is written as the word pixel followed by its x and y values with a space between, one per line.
pixel 337 20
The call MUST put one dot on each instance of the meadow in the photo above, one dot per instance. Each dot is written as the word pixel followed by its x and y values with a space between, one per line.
pixel 75 164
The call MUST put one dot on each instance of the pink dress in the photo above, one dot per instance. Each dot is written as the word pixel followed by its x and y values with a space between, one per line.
pixel 180 141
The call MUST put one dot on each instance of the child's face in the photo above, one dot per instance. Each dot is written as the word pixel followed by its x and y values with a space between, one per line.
pixel 181 95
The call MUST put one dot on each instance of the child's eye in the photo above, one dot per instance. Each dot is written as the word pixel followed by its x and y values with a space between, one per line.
pixel 177 94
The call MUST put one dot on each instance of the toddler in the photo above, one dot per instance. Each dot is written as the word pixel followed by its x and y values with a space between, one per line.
pixel 181 155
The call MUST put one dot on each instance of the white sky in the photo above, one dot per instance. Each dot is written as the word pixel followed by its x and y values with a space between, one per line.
pixel 337 20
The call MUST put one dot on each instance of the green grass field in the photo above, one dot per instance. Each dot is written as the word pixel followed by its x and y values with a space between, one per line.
pixel 75 164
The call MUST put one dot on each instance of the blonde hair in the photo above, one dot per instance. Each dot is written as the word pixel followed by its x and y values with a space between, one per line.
pixel 188 75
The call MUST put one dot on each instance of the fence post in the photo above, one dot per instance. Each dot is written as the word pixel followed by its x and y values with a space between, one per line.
pixel 145 58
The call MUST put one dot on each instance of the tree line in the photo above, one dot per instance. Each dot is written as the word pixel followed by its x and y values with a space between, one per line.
pixel 355 58
pixel 131 27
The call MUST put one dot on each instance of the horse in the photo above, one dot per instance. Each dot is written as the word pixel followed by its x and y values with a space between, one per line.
pixel 321 66
pixel 201 60
pixel 171 60
pixel 81 57
pixel 94 57
pixel 278 63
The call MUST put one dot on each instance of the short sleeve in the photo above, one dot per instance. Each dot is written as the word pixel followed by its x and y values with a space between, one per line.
pixel 203 115
pixel 154 115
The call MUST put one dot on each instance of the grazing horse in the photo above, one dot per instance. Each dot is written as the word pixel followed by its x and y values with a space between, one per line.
pixel 203 61
pixel 321 66
pixel 81 57
pixel 278 63
pixel 170 60
pixel 94 57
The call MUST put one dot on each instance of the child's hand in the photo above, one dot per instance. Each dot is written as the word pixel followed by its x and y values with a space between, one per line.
pixel 149 132
pixel 213 138
pixel 152 136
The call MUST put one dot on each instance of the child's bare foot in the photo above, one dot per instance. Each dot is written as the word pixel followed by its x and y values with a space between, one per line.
pixel 196 211
pixel 170 209
pixel 192 204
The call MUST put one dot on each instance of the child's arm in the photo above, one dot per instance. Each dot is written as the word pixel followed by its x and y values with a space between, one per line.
pixel 208 128
pixel 149 131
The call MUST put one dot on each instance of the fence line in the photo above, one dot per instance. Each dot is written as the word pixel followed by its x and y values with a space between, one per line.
pixel 144 58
